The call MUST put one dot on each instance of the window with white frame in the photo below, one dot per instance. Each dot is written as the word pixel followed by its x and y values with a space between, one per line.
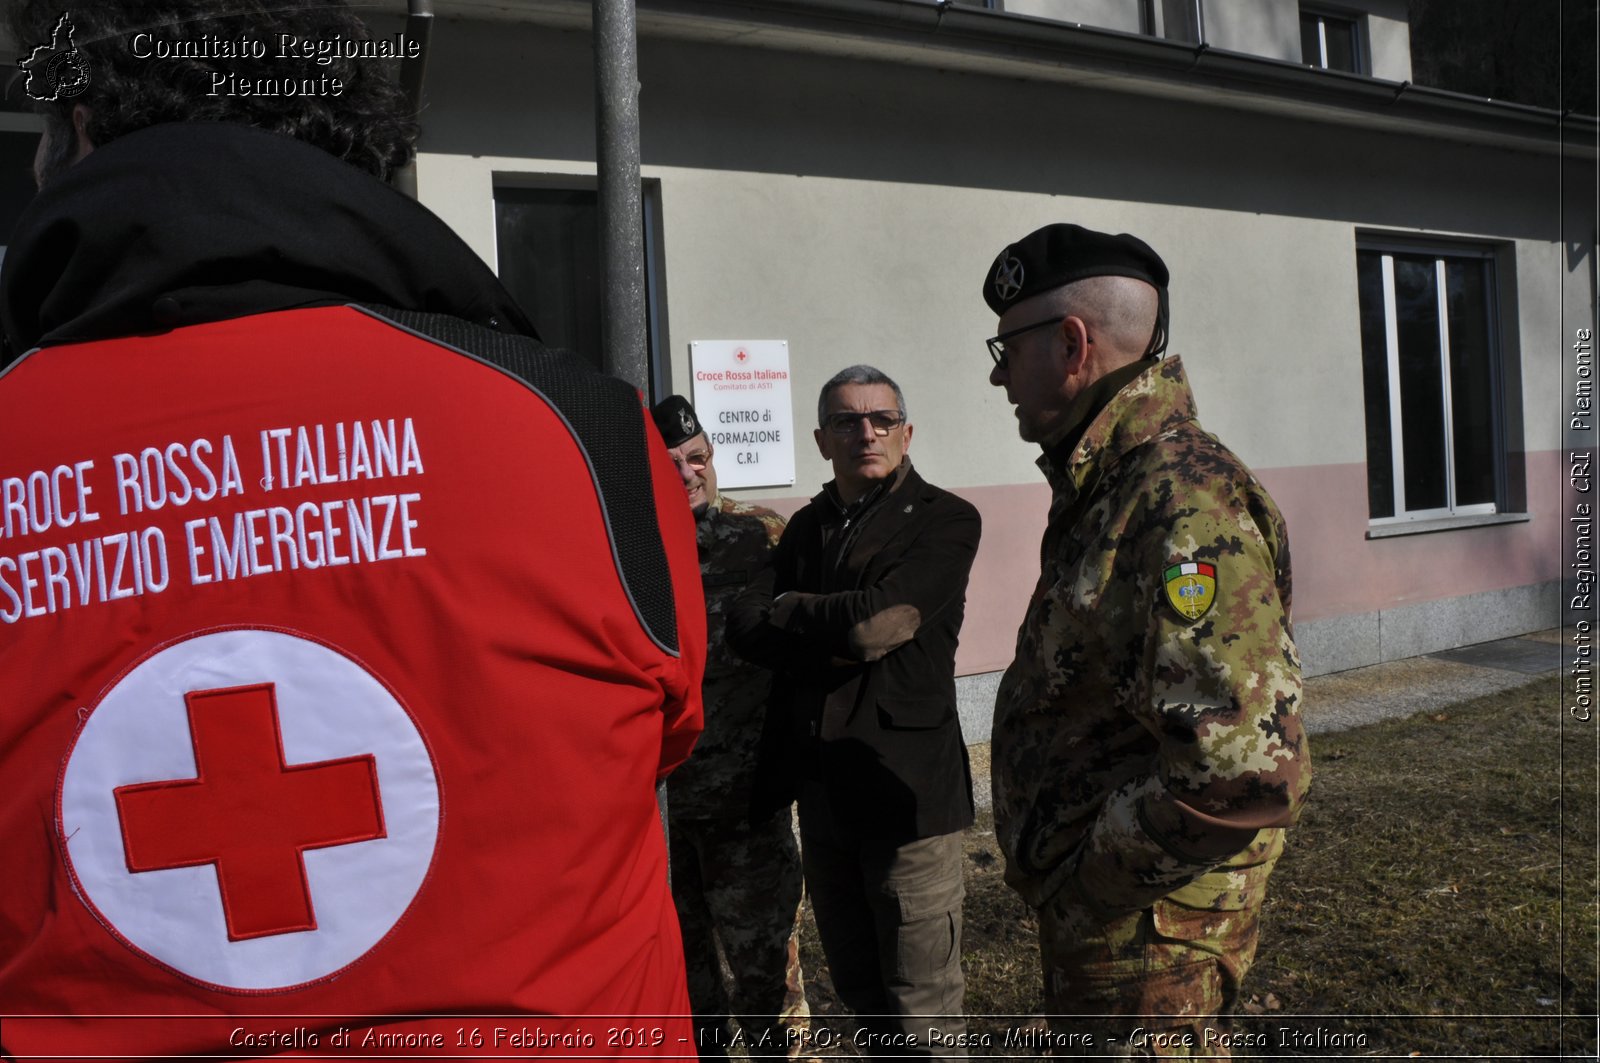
pixel 1431 373
pixel 1330 40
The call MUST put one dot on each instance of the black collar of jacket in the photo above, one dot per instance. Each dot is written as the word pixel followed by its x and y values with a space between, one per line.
pixel 185 223
pixel 835 508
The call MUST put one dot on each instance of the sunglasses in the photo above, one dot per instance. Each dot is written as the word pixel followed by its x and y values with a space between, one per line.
pixel 845 424
pixel 696 461
pixel 997 344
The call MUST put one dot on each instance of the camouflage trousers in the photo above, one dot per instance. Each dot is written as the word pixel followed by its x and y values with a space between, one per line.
pixel 737 891
pixel 1160 983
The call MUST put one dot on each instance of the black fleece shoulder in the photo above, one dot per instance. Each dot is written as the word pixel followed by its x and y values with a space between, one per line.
pixel 605 418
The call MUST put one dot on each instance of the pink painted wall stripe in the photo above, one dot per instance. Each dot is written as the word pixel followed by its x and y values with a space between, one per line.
pixel 1338 571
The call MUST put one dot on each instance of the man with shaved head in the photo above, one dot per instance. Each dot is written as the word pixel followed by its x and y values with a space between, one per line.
pixel 1148 749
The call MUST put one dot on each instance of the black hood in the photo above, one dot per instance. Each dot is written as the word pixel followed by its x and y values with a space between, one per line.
pixel 192 222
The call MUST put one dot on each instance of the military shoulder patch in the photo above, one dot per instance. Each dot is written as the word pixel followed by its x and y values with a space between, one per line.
pixel 1191 588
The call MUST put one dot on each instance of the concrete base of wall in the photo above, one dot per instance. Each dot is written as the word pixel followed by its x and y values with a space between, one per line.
pixel 975 696
pixel 1345 642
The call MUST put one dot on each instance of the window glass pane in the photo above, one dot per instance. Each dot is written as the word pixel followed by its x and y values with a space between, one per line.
pixel 548 243
pixel 1180 19
pixel 1471 379
pixel 1341 36
pixel 14 96
pixel 1310 45
pixel 1421 382
pixel 1375 380
pixel 16 178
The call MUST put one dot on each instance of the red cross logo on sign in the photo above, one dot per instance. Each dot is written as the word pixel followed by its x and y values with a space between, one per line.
pixel 742 355
pixel 222 813
pixel 248 813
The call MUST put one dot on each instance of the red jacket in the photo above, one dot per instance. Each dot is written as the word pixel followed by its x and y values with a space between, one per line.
pixel 342 650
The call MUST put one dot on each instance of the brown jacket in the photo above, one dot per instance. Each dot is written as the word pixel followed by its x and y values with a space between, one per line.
pixel 864 646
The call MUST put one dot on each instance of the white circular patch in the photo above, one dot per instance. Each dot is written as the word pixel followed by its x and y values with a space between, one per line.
pixel 328 708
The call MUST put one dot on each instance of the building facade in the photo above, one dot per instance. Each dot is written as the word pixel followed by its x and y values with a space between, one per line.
pixel 1372 281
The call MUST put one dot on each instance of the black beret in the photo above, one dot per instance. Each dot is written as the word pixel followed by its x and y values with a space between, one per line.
pixel 675 420
pixel 1059 254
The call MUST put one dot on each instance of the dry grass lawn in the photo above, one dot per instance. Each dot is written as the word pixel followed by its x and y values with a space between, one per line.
pixel 1438 898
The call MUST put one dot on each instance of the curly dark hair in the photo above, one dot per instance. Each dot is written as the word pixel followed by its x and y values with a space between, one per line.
pixel 130 86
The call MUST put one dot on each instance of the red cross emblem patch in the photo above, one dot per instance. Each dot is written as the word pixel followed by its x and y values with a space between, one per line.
pixel 251 808
pixel 248 813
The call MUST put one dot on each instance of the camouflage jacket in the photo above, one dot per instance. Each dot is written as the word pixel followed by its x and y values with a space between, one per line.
pixel 1139 753
pixel 736 539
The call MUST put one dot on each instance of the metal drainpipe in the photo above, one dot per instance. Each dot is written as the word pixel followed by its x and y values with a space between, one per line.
pixel 419 27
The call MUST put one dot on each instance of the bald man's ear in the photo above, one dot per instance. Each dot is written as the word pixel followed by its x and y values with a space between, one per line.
pixel 1075 334
pixel 80 128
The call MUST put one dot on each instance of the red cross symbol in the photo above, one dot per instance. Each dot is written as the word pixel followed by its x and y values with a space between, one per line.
pixel 742 355
pixel 249 813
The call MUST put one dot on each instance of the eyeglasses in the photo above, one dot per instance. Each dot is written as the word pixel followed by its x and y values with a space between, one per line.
pixel 997 344
pixel 696 461
pixel 848 424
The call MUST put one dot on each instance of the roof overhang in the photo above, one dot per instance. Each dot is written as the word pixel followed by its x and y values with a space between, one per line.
pixel 944 35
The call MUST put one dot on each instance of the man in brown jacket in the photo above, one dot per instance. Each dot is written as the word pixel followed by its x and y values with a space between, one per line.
pixel 859 615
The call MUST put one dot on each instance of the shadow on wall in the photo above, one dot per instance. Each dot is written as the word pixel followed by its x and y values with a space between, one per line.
pixel 527 91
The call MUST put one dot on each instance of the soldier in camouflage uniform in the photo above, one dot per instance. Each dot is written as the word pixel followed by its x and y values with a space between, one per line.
pixel 736 884
pixel 1148 748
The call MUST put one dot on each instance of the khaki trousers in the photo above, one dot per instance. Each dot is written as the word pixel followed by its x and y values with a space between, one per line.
pixel 889 915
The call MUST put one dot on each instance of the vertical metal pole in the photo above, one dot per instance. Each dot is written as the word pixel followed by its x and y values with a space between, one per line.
pixel 623 339
pixel 419 28
pixel 622 306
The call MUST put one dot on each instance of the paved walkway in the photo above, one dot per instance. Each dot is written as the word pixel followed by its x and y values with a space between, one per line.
pixel 1360 696
pixel 1423 684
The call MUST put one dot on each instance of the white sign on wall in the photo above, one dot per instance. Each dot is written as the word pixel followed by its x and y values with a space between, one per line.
pixel 742 397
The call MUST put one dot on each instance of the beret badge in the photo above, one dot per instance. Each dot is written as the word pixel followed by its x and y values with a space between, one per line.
pixel 675 420
pixel 1008 278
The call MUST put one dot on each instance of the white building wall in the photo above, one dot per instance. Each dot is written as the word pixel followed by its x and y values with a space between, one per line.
pixel 1105 14
pixel 1388 42
pixel 1269 28
pixel 852 208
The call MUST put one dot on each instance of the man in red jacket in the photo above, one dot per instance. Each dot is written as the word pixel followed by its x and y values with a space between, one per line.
pixel 345 628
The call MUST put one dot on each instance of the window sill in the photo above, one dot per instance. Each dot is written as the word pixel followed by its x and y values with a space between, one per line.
pixel 1422 527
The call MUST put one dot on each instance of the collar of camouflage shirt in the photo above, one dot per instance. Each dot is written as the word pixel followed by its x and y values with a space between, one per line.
pixel 1155 401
